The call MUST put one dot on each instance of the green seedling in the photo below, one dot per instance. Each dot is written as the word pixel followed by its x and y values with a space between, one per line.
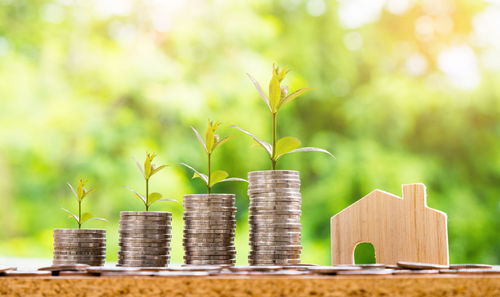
pixel 148 171
pixel 212 141
pixel 278 97
pixel 80 194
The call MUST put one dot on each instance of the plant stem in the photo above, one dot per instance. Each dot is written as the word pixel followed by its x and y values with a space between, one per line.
pixel 209 169
pixel 273 160
pixel 147 194
pixel 79 214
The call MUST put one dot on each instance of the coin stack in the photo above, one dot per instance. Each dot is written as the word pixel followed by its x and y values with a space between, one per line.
pixel 79 246
pixel 274 218
pixel 209 225
pixel 144 239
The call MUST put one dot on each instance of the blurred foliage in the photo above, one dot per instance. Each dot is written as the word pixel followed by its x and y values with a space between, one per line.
pixel 404 92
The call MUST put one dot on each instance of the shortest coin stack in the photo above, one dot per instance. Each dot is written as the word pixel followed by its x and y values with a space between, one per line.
pixel 275 229
pixel 79 246
pixel 144 239
pixel 209 229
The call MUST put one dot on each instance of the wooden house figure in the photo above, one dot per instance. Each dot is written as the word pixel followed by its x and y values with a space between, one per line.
pixel 400 229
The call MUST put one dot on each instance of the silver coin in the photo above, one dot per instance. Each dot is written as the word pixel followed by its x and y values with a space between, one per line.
pixel 75 245
pixel 332 269
pixel 146 221
pixel 207 211
pixel 207 217
pixel 208 242
pixel 142 244
pixel 275 213
pixel 226 257
pixel 259 204
pixel 79 236
pixel 80 249
pixel 415 265
pixel 273 262
pixel 146 213
pixel 129 237
pixel 209 262
pixel 133 240
pixel 149 235
pixel 141 255
pixel 140 263
pixel 151 229
pixel 273 257
pixel 273 172
pixel 470 266
pixel 255 239
pixel 207 236
pixel 230 248
pixel 80 239
pixel 274 186
pixel 273 220
pixel 256 209
pixel 148 250
pixel 79 231
pixel 209 253
pixel 268 180
pixel 296 201
pixel 201 207
pixel 192 225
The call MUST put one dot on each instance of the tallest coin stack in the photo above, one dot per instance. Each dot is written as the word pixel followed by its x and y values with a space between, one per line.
pixel 274 218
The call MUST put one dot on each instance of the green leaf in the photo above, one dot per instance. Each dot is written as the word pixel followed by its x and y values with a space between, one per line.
pixel 233 179
pixel 261 92
pixel 264 144
pixel 217 176
pixel 311 149
pixel 167 199
pixel 99 219
pixel 286 145
pixel 85 217
pixel 200 139
pixel 140 168
pixel 88 193
pixel 74 192
pixel 153 197
pixel 147 164
pixel 157 169
pixel 80 189
pixel 292 96
pixel 219 143
pixel 196 173
pixel 137 194
pixel 71 214
pixel 274 94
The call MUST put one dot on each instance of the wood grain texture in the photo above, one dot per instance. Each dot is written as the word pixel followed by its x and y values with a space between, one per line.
pixel 400 229
pixel 258 286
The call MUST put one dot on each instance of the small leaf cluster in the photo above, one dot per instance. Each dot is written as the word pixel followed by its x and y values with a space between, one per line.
pixel 80 194
pixel 211 142
pixel 148 171
pixel 278 97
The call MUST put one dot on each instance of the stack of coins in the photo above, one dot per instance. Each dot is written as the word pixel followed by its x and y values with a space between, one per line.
pixel 274 218
pixel 209 225
pixel 79 246
pixel 144 239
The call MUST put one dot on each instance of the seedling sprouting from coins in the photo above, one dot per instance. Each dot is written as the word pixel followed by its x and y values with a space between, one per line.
pixel 212 141
pixel 278 97
pixel 80 194
pixel 148 171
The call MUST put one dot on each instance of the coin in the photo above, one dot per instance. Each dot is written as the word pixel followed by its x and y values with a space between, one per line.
pixel 146 213
pixel 211 253
pixel 215 247
pixel 79 231
pixel 225 257
pixel 332 269
pixel 415 265
pixel 470 266
pixel 273 172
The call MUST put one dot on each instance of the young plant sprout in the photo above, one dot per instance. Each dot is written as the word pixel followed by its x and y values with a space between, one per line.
pixel 212 141
pixel 148 171
pixel 80 194
pixel 278 97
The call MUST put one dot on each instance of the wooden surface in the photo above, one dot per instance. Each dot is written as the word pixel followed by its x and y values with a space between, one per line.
pixel 394 286
pixel 400 229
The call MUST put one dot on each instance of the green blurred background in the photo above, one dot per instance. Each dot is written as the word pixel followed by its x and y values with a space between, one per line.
pixel 405 91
